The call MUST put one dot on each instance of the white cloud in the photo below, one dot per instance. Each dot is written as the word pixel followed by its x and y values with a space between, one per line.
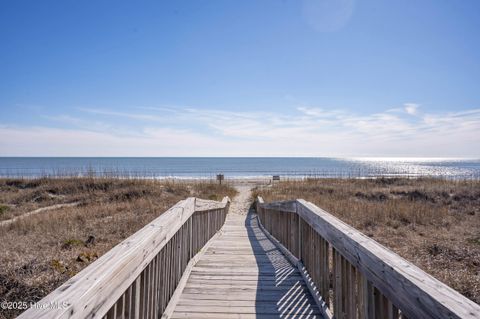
pixel 411 108
pixel 306 132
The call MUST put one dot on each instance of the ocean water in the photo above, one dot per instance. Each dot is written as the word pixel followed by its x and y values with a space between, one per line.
pixel 240 167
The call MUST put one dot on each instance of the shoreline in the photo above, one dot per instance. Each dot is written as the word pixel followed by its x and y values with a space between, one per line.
pixel 247 178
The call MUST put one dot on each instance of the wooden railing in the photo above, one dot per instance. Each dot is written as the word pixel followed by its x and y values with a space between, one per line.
pixel 137 278
pixel 353 276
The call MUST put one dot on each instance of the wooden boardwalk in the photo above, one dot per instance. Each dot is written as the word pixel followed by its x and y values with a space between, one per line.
pixel 244 275
pixel 204 259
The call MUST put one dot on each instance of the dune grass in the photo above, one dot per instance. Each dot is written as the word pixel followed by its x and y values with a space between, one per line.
pixel 40 252
pixel 434 223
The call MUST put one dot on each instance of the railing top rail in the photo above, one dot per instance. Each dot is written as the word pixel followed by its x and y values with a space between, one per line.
pixel 415 292
pixel 284 206
pixel 97 287
pixel 205 204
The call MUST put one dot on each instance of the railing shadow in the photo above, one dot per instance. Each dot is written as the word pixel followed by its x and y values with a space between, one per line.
pixel 280 288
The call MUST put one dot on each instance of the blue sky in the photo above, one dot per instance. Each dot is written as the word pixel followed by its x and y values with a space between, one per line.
pixel 240 78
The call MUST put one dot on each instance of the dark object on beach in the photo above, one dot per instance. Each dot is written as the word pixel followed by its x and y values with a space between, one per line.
pixel 90 240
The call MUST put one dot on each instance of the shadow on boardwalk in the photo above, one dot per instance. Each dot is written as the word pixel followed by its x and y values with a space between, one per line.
pixel 281 291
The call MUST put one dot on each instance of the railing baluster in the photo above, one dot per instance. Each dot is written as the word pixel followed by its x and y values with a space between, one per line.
pixel 146 279
pixel 370 300
pixel 378 303
pixel 137 292
pixel 326 272
pixel 352 310
pixel 121 309
pixel 127 308
pixel 152 287
pixel 338 285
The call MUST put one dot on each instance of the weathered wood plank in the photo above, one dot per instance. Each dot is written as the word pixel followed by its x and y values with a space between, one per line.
pixel 262 282
pixel 259 309
pixel 252 296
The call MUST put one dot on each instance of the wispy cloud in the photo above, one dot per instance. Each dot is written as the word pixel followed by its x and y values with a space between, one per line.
pixel 302 131
pixel 132 116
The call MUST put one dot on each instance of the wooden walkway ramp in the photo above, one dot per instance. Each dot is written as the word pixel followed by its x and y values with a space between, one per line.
pixel 244 275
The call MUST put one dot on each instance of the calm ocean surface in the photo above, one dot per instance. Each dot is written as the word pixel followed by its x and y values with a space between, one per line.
pixel 242 167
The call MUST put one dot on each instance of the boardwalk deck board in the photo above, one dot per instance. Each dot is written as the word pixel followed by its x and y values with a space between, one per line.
pixel 244 275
